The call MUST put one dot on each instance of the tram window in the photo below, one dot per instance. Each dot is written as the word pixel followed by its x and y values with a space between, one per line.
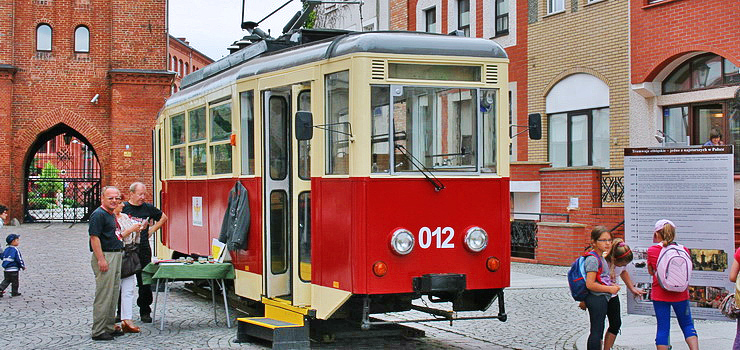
pixel 247 132
pixel 337 116
pixel 220 122
pixel 304 146
pixel 304 236
pixel 279 141
pixel 278 232
pixel 221 158
pixel 437 126
pixel 177 127
pixel 177 157
pixel 197 121
pixel 380 112
pixel 198 159
pixel 488 105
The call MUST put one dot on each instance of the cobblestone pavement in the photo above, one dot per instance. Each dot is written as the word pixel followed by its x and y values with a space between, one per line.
pixel 55 310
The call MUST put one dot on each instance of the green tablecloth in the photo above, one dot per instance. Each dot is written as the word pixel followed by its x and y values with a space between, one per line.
pixel 180 271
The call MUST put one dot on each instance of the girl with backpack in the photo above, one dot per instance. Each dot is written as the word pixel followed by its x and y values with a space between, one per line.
pixel 619 256
pixel 663 300
pixel 734 270
pixel 599 301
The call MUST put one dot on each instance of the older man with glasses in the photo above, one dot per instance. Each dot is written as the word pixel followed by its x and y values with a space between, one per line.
pixel 107 250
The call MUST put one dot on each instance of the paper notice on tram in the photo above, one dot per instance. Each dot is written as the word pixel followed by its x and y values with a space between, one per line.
pixel 217 250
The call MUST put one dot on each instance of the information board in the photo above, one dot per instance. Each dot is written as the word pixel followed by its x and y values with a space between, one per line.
pixel 692 187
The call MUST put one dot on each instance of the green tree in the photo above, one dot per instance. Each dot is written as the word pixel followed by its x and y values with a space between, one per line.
pixel 311 20
pixel 50 187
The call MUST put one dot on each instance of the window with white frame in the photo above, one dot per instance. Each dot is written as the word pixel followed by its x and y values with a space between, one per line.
pixel 463 16
pixel 430 16
pixel 82 39
pixel 555 6
pixel 578 122
pixel 43 37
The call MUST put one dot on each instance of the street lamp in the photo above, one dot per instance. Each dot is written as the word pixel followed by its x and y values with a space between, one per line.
pixel 702 71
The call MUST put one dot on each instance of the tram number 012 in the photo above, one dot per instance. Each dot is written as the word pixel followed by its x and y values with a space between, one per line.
pixel 443 237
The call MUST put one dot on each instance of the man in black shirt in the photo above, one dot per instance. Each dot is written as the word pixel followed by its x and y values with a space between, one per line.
pixel 139 211
pixel 106 264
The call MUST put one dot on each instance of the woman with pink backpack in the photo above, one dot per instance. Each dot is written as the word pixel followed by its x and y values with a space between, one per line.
pixel 664 257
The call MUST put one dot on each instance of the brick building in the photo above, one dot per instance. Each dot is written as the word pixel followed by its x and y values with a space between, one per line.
pixel 95 71
pixel 685 79
pixel 184 59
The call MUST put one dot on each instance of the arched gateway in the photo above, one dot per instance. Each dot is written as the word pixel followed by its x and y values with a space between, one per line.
pixel 62 177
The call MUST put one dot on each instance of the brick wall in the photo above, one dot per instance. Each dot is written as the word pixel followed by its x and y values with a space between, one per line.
pixel 188 59
pixel 399 15
pixel 55 88
pixel 664 30
pixel 526 171
pixel 560 243
pixel 593 40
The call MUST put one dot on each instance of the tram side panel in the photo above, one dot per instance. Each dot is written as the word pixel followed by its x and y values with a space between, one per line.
pixel 187 236
pixel 333 237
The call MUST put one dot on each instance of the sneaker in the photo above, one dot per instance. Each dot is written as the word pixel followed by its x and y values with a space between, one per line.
pixel 15 294
pixel 103 336
pixel 146 318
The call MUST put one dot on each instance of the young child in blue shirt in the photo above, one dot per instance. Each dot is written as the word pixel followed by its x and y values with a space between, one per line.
pixel 12 263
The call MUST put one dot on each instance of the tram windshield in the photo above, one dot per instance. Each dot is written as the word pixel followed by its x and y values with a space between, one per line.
pixel 437 127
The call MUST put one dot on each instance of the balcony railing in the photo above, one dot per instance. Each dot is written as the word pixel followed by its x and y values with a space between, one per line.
pixel 612 187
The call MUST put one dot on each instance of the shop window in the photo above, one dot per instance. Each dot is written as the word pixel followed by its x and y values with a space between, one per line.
pixel 43 37
pixel 82 40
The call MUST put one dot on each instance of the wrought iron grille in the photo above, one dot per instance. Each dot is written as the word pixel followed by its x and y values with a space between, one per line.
pixel 63 182
pixel 612 186
pixel 523 238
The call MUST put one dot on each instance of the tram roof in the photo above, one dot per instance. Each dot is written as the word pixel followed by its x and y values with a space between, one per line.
pixel 263 58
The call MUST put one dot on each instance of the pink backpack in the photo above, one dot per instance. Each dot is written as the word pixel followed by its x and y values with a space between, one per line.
pixel 674 268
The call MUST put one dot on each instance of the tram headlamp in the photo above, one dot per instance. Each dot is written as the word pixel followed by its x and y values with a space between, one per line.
pixel 476 239
pixel 402 241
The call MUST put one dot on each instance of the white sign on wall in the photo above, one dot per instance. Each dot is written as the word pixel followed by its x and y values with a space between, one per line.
pixel 692 187
pixel 198 211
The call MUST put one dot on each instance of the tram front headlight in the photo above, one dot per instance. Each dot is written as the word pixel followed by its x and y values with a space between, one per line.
pixel 402 241
pixel 476 239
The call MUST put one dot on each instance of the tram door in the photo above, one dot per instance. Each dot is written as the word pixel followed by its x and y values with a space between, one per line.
pixel 302 203
pixel 276 177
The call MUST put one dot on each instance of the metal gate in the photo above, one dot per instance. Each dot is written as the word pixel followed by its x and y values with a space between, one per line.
pixel 62 182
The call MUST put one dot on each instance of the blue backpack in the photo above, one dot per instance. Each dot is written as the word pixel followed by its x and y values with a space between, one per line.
pixel 577 276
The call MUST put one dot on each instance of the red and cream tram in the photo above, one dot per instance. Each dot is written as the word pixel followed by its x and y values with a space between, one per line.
pixel 375 166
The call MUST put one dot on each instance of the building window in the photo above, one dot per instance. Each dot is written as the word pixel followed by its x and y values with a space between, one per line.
pixel 431 20
pixel 43 37
pixel 695 123
pixel 180 71
pixel 502 17
pixel 555 6
pixel 82 39
pixel 579 138
pixel 174 64
pixel 702 72
pixel 187 68
pixel 463 16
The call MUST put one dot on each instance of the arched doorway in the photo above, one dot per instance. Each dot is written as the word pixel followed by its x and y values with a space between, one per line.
pixel 62 177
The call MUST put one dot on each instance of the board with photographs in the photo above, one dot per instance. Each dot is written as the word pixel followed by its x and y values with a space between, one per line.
pixel 693 187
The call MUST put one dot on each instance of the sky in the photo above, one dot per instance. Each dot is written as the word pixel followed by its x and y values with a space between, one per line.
pixel 212 25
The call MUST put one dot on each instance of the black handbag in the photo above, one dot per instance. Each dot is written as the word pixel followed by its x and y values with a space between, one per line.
pixel 130 264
